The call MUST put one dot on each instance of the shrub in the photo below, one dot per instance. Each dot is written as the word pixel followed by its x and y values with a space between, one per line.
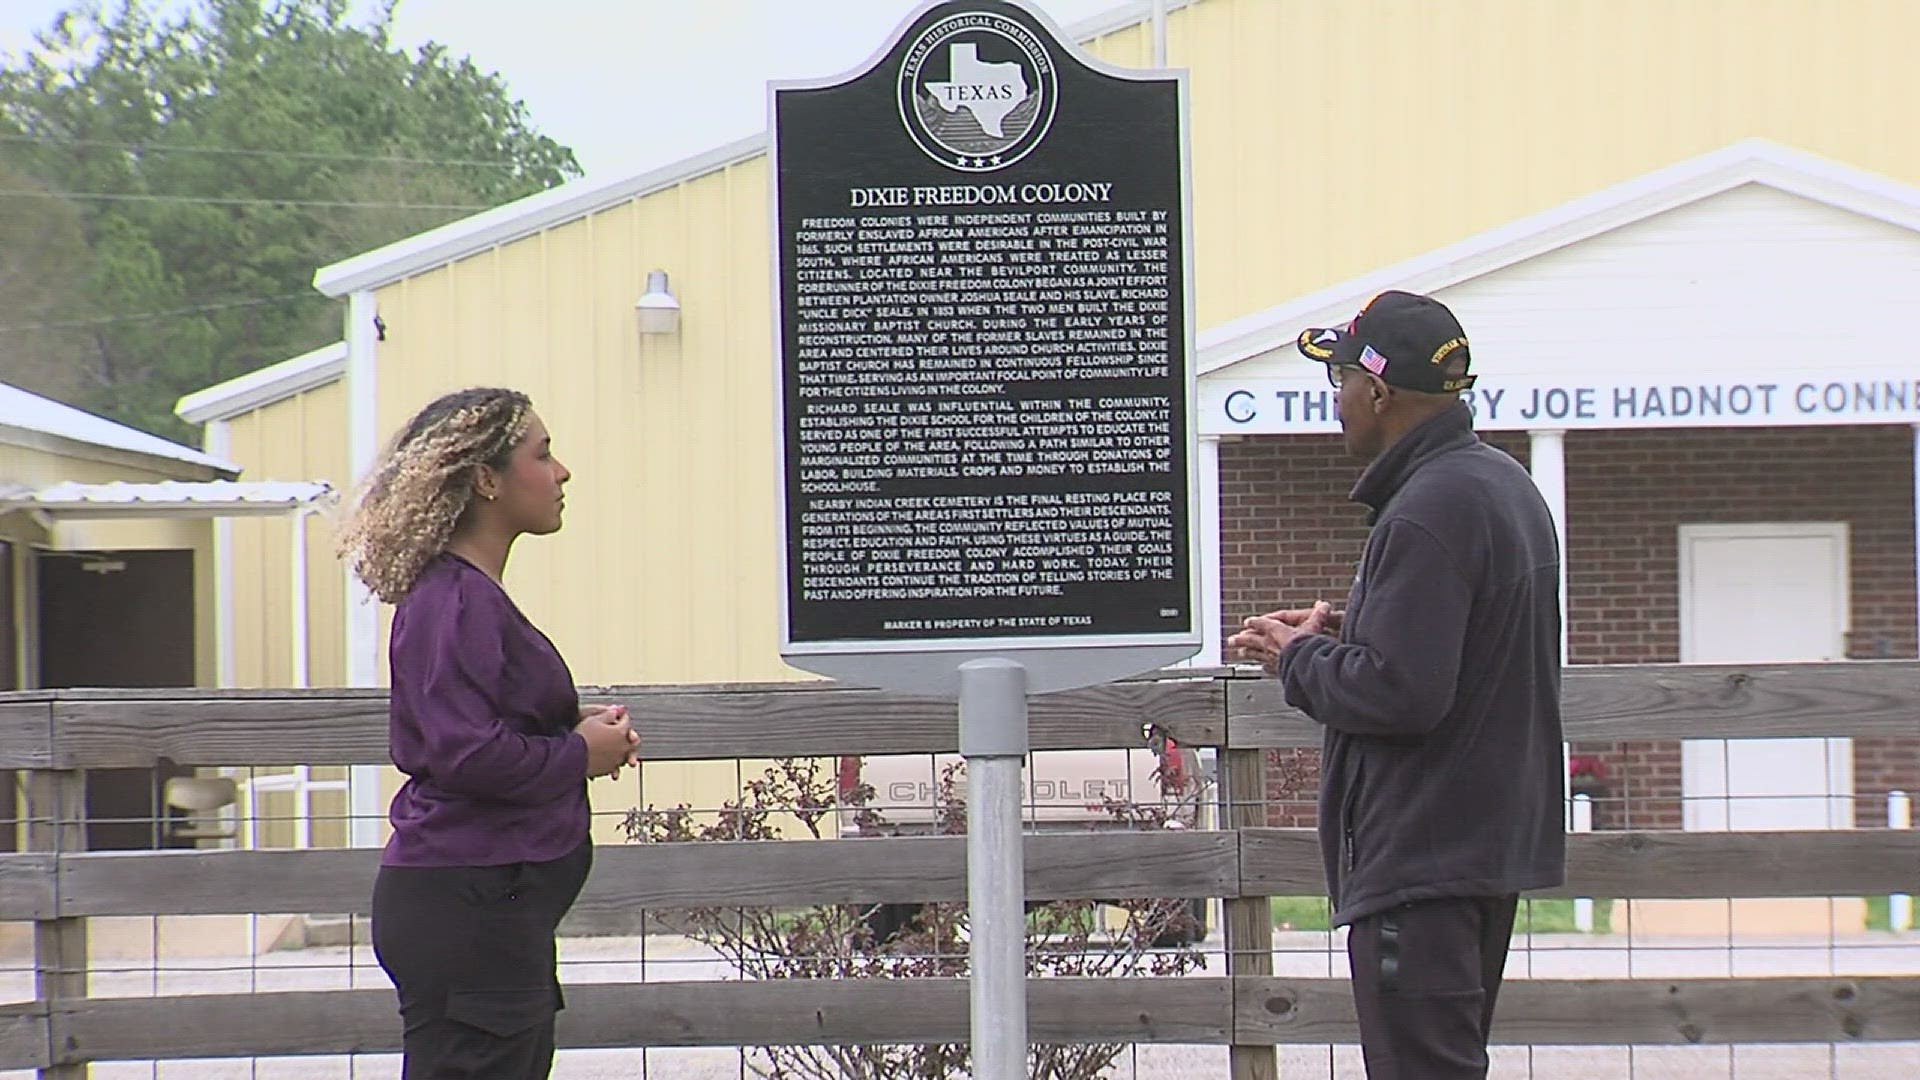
pixel 1065 938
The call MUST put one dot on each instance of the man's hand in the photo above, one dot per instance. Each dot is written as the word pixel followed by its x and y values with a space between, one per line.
pixel 611 741
pixel 1264 636
pixel 1330 620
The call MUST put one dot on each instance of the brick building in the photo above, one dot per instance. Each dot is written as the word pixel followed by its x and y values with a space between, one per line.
pixel 1710 373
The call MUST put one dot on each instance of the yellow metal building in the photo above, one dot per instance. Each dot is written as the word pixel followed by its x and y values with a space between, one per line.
pixel 51 457
pixel 1329 138
pixel 287 420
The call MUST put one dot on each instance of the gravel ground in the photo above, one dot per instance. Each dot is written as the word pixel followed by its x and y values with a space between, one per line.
pixel 1300 954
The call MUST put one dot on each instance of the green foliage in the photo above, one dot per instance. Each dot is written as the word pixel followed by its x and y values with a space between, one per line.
pixel 1299 912
pixel 215 158
pixel 1879 913
pixel 43 263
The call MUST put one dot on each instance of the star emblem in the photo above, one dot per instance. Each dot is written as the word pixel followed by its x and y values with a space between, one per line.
pixel 996 159
pixel 962 159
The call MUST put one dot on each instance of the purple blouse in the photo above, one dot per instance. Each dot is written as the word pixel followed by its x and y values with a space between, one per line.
pixel 481 721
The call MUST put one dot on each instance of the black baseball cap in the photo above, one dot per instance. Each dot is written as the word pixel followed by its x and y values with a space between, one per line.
pixel 1408 340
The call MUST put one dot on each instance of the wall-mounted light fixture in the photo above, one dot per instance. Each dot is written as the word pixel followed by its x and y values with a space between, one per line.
pixel 658 312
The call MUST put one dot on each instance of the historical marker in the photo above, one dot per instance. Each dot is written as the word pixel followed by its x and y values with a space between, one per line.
pixel 984 325
pixel 983 317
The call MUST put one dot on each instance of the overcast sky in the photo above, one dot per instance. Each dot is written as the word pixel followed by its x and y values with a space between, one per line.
pixel 633 84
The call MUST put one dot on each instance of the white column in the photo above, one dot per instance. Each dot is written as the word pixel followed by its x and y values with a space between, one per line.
pixel 1548 459
pixel 219 443
pixel 301 673
pixel 1208 478
pixel 1899 816
pixel 362 615
pixel 1158 19
pixel 1581 821
pixel 297 584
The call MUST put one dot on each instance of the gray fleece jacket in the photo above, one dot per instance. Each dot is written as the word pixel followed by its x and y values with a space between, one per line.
pixel 1441 772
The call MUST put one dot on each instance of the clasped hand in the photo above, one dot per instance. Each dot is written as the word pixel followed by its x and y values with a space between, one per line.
pixel 1264 636
pixel 612 744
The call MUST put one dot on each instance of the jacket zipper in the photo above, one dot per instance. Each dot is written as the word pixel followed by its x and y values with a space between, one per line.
pixel 1346 815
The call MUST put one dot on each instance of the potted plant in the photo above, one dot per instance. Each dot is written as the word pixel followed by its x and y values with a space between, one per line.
pixel 1587 775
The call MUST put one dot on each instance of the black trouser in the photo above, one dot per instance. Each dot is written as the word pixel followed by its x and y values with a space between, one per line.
pixel 470 950
pixel 1425 976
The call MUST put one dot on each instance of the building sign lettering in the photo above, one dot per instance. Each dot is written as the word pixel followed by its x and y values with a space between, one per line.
pixel 1294 406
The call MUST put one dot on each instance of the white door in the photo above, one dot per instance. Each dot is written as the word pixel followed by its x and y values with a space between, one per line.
pixel 1756 594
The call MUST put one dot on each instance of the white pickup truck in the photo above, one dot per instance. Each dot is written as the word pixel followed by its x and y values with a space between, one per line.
pixel 1067 791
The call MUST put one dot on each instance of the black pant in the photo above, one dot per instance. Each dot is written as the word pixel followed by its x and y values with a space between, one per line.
pixel 470 949
pixel 1425 976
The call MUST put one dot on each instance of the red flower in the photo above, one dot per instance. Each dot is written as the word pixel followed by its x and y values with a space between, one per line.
pixel 1587 766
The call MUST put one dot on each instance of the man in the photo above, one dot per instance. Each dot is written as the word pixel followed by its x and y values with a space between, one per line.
pixel 1439 688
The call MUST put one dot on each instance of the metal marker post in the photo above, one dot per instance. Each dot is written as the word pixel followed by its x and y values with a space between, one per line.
pixel 993 739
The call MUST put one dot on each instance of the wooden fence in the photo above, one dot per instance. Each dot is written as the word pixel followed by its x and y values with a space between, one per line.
pixel 53 737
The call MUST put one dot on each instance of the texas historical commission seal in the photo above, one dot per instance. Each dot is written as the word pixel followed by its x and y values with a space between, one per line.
pixel 977 92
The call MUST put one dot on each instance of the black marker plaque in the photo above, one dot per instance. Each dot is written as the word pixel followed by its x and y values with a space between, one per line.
pixel 982 311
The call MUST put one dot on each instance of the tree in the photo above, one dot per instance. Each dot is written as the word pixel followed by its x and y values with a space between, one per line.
pixel 43 266
pixel 217 157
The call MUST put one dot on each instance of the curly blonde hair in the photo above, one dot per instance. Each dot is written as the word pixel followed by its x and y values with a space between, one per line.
pixel 416 495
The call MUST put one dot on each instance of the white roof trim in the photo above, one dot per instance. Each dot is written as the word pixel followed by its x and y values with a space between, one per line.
pixel 570 201
pixel 27 419
pixel 257 389
pixel 1124 17
pixel 213 498
pixel 1752 161
pixel 522 217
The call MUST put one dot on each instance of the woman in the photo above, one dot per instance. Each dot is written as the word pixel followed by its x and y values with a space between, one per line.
pixel 490 843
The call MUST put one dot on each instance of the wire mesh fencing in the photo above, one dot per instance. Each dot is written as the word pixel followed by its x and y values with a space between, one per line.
pixel 760 915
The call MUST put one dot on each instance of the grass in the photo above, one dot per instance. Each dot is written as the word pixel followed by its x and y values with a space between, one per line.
pixel 1535 916
pixel 1879 912
pixel 1299 912
pixel 1556 917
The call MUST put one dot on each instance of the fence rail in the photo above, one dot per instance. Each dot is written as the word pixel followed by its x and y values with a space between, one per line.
pixel 1666 701
pixel 1245 1011
pixel 57 736
pixel 1254 862
pixel 96 729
